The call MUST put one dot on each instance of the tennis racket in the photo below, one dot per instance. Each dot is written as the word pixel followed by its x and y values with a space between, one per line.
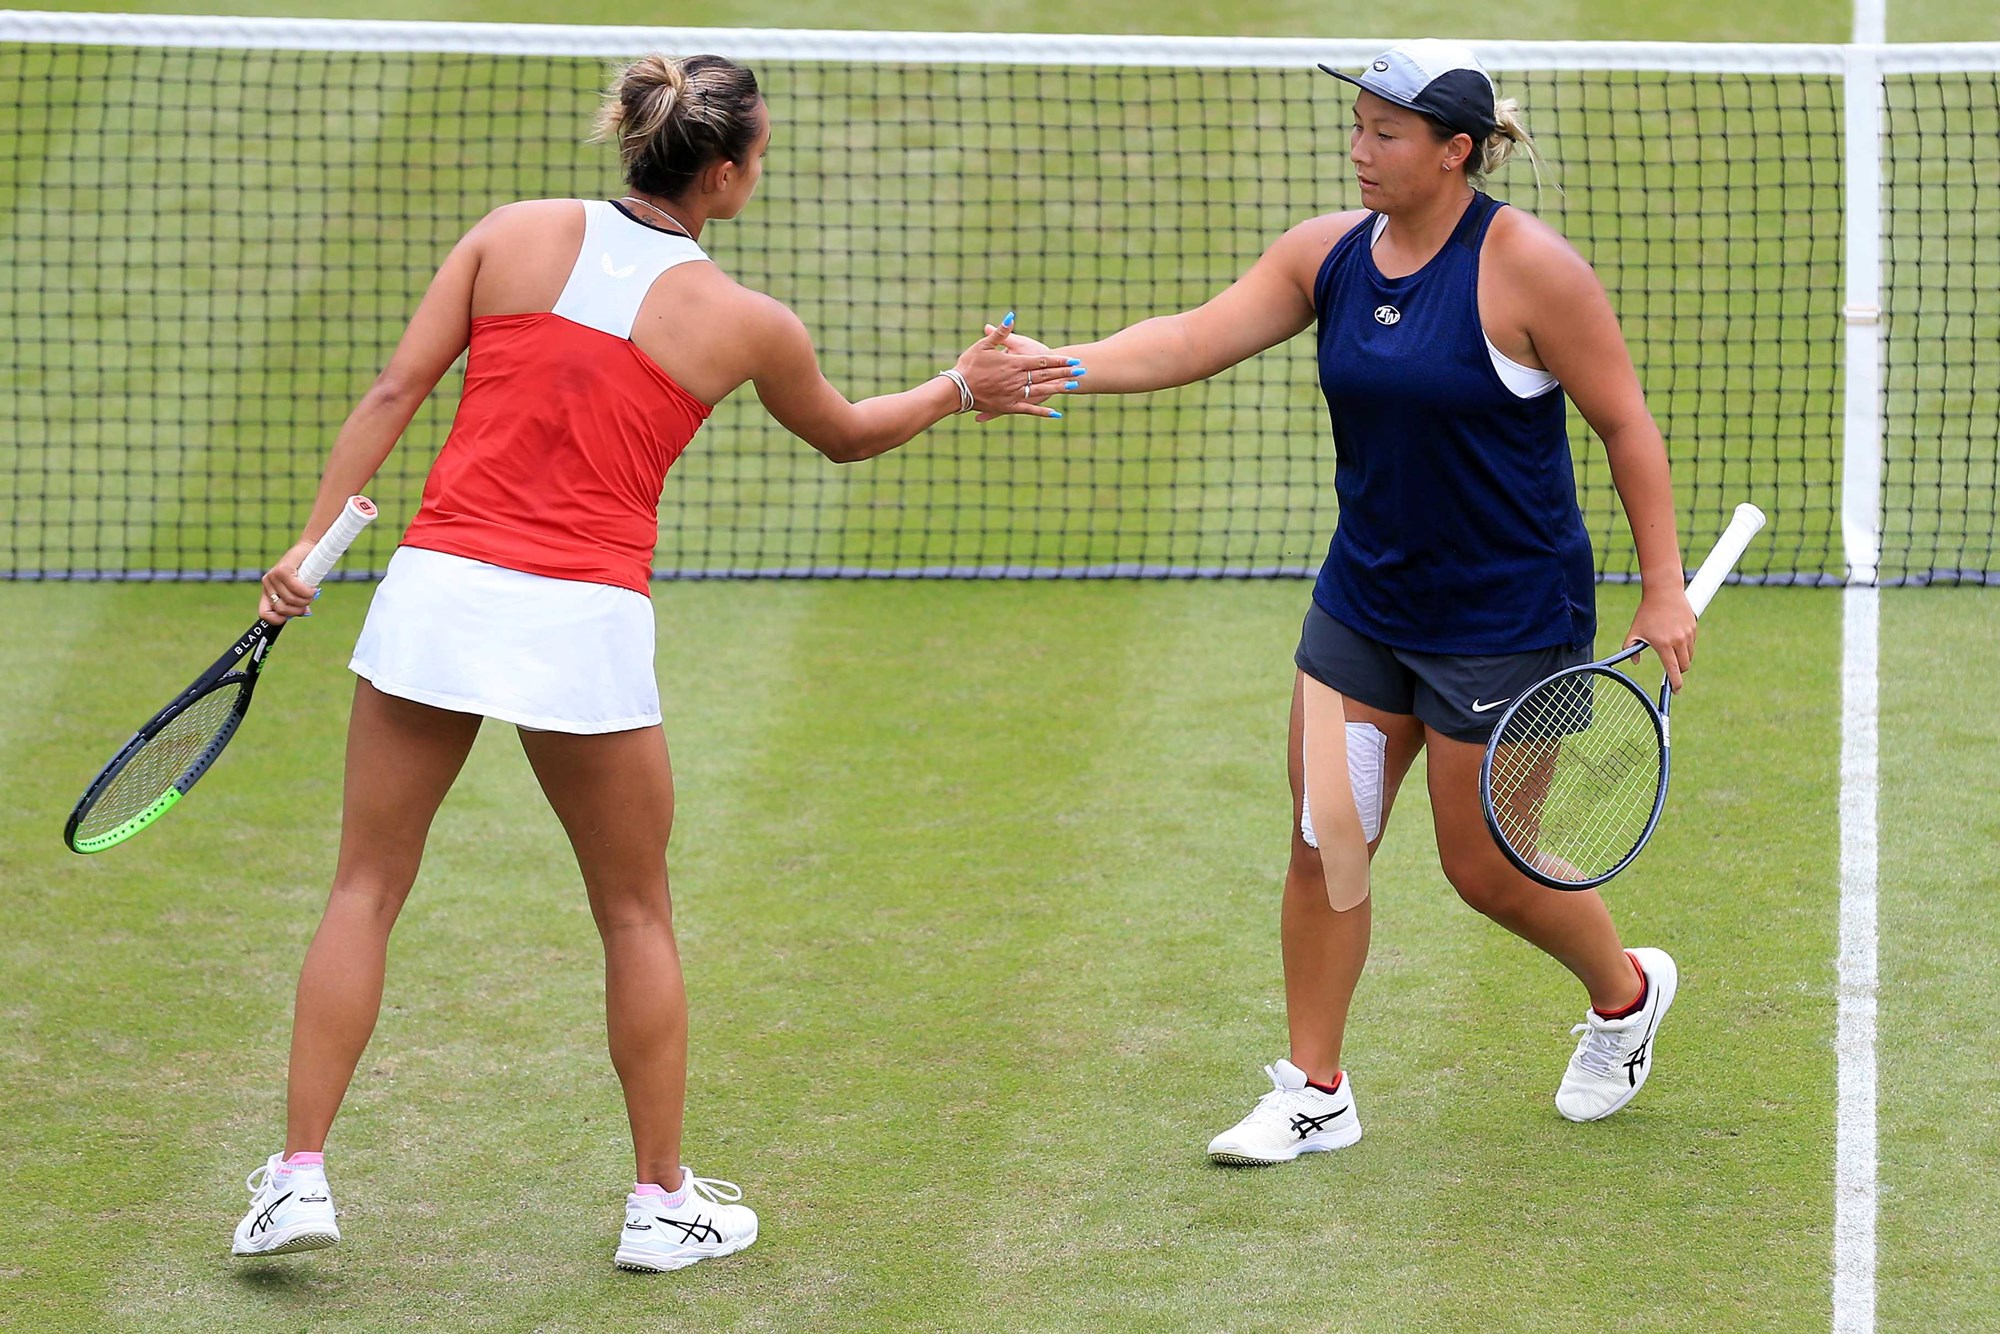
pixel 168 756
pixel 1575 774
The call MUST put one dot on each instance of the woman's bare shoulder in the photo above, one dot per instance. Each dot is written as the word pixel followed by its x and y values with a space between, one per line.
pixel 1323 231
pixel 530 221
pixel 1523 241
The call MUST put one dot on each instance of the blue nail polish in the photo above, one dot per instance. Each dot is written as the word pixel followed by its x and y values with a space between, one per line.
pixel 1008 323
pixel 1080 370
pixel 1070 384
pixel 1056 415
pixel 1074 362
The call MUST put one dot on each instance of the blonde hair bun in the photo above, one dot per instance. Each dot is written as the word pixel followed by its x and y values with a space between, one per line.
pixel 672 117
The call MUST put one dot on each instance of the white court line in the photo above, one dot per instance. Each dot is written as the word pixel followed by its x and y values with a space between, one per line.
pixel 1871 21
pixel 1854 1202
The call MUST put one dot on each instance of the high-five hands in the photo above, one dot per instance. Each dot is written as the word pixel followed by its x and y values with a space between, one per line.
pixel 1009 373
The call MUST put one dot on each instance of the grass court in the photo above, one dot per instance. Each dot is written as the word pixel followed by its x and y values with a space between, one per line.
pixel 976 887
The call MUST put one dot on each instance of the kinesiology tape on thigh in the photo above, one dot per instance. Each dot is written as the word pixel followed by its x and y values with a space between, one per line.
pixel 1367 755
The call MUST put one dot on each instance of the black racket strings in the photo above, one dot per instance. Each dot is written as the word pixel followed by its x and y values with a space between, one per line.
pixel 1575 776
pixel 161 762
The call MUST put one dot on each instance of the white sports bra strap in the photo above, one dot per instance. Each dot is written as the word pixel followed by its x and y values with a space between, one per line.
pixel 616 267
pixel 1521 381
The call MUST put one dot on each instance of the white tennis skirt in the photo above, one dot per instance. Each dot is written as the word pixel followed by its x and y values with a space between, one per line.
pixel 556 655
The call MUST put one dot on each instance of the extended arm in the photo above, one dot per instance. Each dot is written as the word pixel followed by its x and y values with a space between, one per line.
pixel 1268 304
pixel 799 396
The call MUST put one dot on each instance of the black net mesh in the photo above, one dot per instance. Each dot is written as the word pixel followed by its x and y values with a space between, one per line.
pixel 1941 252
pixel 209 253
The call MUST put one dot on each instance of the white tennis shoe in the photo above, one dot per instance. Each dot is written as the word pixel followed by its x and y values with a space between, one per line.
pixel 291 1209
pixel 1614 1056
pixel 708 1222
pixel 1293 1118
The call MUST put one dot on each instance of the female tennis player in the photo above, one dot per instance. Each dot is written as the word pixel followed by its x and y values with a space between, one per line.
pixel 1459 573
pixel 601 336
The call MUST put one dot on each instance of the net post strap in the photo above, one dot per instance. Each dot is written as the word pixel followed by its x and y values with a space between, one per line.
pixel 1861 445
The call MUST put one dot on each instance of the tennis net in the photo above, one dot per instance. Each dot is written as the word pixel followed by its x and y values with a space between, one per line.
pixel 214 230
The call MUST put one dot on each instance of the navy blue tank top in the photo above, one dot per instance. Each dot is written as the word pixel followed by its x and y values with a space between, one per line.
pixel 1458 530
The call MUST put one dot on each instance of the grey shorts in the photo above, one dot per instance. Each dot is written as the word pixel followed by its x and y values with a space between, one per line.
pixel 1460 695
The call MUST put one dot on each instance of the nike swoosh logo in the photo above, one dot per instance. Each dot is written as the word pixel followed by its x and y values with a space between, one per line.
pixel 1477 707
pixel 610 271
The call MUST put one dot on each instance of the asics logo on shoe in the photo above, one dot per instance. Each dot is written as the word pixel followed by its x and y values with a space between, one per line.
pixel 698 1230
pixel 1637 1060
pixel 1304 1126
pixel 264 1219
pixel 1635 1063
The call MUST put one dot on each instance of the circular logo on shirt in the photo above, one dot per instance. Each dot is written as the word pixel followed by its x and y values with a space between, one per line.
pixel 1380 67
pixel 1387 314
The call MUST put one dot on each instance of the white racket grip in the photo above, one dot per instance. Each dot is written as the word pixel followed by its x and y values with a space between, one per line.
pixel 357 514
pixel 1728 550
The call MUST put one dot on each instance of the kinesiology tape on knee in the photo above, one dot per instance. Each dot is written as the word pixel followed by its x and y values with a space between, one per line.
pixel 1367 755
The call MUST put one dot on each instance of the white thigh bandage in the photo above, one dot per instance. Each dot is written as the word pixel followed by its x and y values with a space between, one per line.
pixel 1367 756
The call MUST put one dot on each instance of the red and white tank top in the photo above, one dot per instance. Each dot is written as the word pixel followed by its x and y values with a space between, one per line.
pixel 565 431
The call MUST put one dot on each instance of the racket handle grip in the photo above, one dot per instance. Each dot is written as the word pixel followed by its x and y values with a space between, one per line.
pixel 356 514
pixel 1728 550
